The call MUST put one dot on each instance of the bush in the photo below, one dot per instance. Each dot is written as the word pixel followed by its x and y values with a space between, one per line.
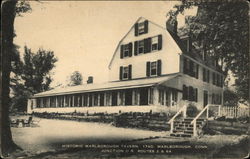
pixel 192 111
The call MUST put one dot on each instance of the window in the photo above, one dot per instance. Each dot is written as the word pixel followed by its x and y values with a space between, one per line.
pixel 141 47
pixel 126 51
pixel 190 93
pixel 154 45
pixel 141 28
pixel 125 73
pixel 153 69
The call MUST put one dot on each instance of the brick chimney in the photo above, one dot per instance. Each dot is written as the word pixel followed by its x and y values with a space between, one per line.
pixel 90 80
pixel 171 25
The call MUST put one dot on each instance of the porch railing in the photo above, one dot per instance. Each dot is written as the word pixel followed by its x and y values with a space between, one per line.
pixel 235 112
pixel 171 121
pixel 194 121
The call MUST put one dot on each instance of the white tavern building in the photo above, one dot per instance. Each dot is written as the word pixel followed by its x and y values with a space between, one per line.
pixel 152 69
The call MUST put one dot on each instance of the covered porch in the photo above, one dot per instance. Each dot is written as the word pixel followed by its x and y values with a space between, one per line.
pixel 126 96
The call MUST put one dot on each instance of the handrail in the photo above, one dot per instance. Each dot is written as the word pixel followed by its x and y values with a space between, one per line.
pixel 177 114
pixel 197 116
pixel 203 112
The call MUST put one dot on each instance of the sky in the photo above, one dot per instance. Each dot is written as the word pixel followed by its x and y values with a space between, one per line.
pixel 84 34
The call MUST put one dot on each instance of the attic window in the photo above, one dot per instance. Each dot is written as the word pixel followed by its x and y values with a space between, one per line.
pixel 141 28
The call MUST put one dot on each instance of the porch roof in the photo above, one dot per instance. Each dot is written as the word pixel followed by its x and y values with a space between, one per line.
pixel 136 83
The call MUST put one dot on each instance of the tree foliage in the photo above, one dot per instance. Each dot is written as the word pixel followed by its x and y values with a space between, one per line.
pixel 222 30
pixel 31 75
pixel 75 79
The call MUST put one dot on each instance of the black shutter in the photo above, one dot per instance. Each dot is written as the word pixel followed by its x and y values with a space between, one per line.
pixel 184 65
pixel 136 29
pixel 197 71
pixel 149 43
pixel 148 69
pixel 129 71
pixel 184 93
pixel 196 94
pixel 191 69
pixel 121 51
pixel 204 75
pixel 146 26
pixel 158 67
pixel 208 75
pixel 159 42
pixel 190 91
pixel 130 49
pixel 145 41
pixel 136 48
pixel 121 72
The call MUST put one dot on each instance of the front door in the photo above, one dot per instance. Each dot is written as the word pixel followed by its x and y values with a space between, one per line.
pixel 205 98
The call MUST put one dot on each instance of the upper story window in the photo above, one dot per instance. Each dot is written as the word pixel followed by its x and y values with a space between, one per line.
pixel 154 45
pixel 141 28
pixel 190 68
pixel 206 75
pixel 126 50
pixel 125 72
pixel 141 47
pixel 148 45
pixel 153 68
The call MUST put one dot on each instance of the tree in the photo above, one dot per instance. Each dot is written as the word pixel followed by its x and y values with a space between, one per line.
pixel 75 79
pixel 221 29
pixel 7 31
pixel 31 75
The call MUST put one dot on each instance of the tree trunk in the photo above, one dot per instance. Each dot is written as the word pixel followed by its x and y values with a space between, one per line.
pixel 7 25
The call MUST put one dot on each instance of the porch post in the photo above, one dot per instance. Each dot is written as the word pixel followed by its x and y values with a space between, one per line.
pixel 104 98
pixel 118 98
pixel 88 99
pixel 64 101
pixel 73 100
pixel 133 97
pixel 56 101
pixel 164 97
pixel 98 98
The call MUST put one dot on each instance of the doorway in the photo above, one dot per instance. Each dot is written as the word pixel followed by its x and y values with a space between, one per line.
pixel 143 96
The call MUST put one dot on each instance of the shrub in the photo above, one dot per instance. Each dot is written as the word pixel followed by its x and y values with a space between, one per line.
pixel 192 111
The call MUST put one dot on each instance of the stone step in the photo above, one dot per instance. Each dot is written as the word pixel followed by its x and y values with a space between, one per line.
pixel 183 128
pixel 191 119
pixel 180 135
